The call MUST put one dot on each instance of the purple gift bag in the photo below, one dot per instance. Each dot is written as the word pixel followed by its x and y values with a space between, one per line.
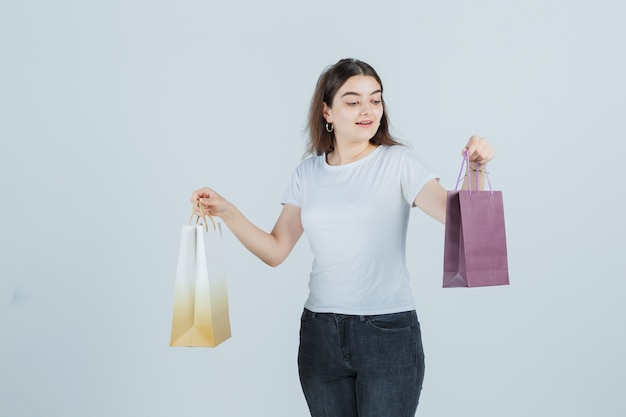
pixel 475 252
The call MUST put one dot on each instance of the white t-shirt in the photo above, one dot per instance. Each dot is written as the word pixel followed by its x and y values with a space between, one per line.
pixel 356 216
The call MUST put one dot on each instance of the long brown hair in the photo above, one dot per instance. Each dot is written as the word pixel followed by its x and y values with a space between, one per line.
pixel 330 81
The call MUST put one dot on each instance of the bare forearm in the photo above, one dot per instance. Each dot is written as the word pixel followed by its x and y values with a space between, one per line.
pixel 260 243
pixel 271 248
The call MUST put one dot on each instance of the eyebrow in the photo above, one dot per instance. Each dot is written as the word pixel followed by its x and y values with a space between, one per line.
pixel 352 93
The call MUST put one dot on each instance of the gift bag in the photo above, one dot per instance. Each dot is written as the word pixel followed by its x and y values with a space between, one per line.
pixel 201 316
pixel 475 252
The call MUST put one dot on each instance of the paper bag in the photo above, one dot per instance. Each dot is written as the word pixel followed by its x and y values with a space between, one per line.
pixel 201 316
pixel 475 252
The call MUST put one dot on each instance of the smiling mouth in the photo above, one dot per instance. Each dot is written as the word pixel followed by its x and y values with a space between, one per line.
pixel 365 123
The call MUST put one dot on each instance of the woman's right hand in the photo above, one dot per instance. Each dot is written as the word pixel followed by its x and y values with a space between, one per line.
pixel 211 202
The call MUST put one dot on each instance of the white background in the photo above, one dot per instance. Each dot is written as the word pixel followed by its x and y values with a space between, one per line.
pixel 113 112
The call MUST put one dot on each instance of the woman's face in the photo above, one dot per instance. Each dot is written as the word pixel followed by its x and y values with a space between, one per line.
pixel 356 109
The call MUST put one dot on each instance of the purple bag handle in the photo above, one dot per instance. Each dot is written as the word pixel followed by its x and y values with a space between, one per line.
pixel 468 173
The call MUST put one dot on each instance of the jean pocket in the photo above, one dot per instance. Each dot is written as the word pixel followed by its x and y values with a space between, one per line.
pixel 306 316
pixel 394 321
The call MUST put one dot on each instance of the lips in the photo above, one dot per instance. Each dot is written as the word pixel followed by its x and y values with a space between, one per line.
pixel 365 123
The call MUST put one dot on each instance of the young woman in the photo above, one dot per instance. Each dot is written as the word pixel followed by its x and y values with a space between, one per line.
pixel 360 344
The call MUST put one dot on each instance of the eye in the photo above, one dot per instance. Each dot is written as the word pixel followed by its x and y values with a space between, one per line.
pixel 352 103
pixel 376 102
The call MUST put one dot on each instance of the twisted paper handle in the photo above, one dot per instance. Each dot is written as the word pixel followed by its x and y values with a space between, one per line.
pixel 203 217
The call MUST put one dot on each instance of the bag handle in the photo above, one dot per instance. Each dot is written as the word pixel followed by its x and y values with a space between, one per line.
pixel 468 174
pixel 203 217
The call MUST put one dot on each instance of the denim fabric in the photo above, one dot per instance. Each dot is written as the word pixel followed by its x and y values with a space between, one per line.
pixel 361 366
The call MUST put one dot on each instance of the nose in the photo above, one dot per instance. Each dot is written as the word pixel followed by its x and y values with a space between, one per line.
pixel 366 107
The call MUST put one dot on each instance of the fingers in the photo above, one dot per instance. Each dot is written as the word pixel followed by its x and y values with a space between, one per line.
pixel 479 150
pixel 202 193
pixel 200 200
pixel 207 201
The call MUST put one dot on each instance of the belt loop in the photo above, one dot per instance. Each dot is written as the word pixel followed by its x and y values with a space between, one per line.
pixel 362 318
pixel 314 314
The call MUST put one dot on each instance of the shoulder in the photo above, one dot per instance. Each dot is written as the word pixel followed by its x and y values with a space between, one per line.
pixel 406 159
pixel 311 161
pixel 395 152
pixel 309 164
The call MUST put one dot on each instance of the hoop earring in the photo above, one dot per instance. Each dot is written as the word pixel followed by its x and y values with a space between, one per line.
pixel 329 127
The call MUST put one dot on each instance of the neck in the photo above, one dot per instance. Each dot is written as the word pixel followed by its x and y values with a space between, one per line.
pixel 349 153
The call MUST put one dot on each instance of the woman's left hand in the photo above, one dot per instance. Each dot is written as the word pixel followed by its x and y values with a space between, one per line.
pixel 479 149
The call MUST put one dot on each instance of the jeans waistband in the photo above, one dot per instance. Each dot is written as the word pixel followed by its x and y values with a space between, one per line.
pixel 340 316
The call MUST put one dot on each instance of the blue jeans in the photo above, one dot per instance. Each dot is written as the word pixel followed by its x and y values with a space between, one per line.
pixel 361 366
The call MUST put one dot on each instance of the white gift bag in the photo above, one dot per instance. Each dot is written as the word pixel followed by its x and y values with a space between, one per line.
pixel 201 316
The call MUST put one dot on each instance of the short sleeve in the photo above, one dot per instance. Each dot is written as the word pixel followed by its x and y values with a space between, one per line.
pixel 293 194
pixel 414 175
